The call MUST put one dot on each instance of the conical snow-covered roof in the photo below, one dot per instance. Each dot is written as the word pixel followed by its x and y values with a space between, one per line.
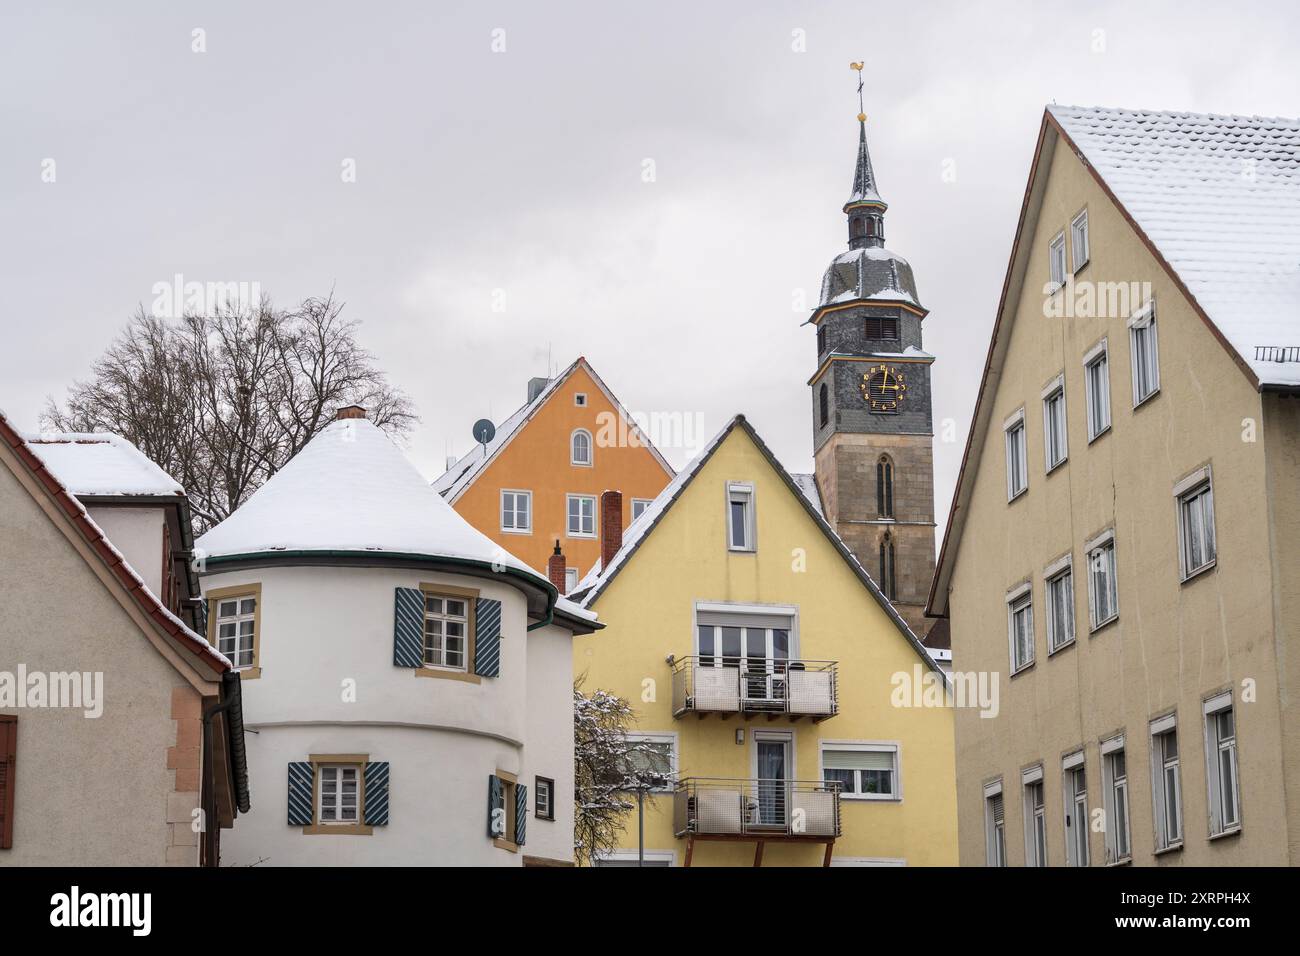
pixel 351 489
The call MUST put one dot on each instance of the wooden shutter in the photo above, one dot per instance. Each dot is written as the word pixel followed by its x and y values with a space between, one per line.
pixel 376 793
pixel 521 812
pixel 8 757
pixel 302 779
pixel 487 638
pixel 408 628
pixel 496 819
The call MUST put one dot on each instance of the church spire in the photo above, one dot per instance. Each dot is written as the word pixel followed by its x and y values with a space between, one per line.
pixel 865 208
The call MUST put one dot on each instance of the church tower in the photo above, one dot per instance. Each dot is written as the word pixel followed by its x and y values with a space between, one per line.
pixel 873 434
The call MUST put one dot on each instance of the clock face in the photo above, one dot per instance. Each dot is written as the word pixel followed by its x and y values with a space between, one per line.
pixel 882 388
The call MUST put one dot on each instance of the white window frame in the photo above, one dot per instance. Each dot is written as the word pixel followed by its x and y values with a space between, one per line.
pixel 516 528
pixel 651 857
pixel 537 798
pixel 1056 262
pixel 1216 747
pixel 337 770
pixel 1104 542
pixel 1141 325
pixel 995 831
pixel 1035 816
pixel 639 505
pixel 573 448
pixel 237 620
pixel 1198 487
pixel 580 399
pixel 1115 801
pixel 891 747
pixel 741 492
pixel 1079 237
pixel 571 579
pixel 445 618
pixel 1162 766
pixel 1020 600
pixel 1076 831
pixel 1097 405
pixel 1055 425
pixel 661 737
pixel 1017 444
pixel 568 516
pixel 1061 568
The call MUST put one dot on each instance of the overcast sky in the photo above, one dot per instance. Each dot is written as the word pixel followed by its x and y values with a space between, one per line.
pixel 485 178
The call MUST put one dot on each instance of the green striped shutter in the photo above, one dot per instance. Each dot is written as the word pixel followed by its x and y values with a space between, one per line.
pixel 496 823
pixel 376 793
pixel 521 812
pixel 301 790
pixel 487 638
pixel 408 628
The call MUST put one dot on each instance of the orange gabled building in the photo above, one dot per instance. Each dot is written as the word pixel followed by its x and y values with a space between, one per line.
pixel 541 477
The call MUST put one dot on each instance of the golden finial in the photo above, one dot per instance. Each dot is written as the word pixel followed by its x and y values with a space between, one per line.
pixel 862 113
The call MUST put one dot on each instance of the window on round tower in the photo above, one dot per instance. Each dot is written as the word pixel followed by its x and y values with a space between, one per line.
pixel 823 405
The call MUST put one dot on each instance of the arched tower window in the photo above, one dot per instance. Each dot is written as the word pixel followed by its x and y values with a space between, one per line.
pixel 885 487
pixel 580 447
pixel 887 566
pixel 824 404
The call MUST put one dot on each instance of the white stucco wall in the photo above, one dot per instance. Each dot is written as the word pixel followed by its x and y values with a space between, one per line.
pixel 326 632
pixel 138 534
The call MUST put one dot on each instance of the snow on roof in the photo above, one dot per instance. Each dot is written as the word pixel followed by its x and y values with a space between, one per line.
pixel 808 485
pixel 463 473
pixel 1219 197
pixel 98 464
pixel 352 489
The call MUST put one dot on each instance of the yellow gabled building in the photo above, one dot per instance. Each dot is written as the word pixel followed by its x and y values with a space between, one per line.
pixel 772 680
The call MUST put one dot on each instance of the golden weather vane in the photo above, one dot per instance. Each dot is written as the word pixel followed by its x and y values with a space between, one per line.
pixel 862 113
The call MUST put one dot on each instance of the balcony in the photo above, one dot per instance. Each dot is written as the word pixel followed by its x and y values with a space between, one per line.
pixel 751 686
pixel 758 811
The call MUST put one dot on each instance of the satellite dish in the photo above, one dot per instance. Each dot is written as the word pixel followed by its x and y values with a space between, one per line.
pixel 484 431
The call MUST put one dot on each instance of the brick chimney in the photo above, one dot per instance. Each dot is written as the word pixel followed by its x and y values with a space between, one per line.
pixel 556 567
pixel 611 526
pixel 349 411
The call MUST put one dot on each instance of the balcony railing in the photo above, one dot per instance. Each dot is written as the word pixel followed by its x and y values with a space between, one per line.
pixel 756 809
pixel 749 686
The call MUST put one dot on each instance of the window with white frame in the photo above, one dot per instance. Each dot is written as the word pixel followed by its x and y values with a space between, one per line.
pixel 1035 817
pixel 1079 240
pixel 1017 463
pixel 639 505
pixel 517 512
pixel 580 447
pixel 446 624
pixel 580 399
pixel 1221 759
pixel 1096 385
pixel 1144 353
pixel 1058 585
pixel 544 798
pixel 1076 810
pixel 1195 497
pixel 651 758
pixel 627 858
pixel 570 580
pixel 237 629
pixel 995 826
pixel 1103 593
pixel 1056 262
pixel 1114 773
pixel 740 516
pixel 339 789
pixel 582 516
pixel 1020 627
pixel 1166 794
pixel 863 771
pixel 1055 445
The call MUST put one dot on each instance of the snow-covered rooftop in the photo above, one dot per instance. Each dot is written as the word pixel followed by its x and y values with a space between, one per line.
pixel 1219 197
pixel 352 489
pixel 101 464
pixel 808 485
